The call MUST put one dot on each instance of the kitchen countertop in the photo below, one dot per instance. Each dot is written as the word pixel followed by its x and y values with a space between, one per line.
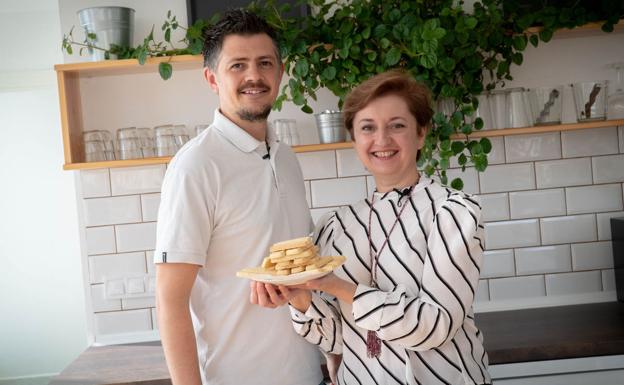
pixel 509 337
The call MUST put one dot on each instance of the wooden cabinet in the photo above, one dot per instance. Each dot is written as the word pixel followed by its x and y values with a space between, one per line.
pixel 79 92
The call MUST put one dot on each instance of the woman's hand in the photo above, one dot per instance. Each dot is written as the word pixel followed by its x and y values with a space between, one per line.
pixel 331 284
pixel 272 296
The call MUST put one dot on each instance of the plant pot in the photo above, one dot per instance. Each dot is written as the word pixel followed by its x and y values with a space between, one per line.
pixel 330 127
pixel 111 25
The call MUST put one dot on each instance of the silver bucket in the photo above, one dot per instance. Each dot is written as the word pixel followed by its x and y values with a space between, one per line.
pixel 111 25
pixel 330 127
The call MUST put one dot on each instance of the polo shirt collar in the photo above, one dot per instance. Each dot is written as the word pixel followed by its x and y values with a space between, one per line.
pixel 237 136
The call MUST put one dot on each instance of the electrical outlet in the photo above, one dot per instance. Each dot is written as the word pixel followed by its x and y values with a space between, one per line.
pixel 136 285
pixel 131 286
pixel 114 288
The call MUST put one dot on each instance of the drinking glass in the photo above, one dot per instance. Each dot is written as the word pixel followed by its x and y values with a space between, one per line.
pixel 498 108
pixel 104 136
pixel 615 109
pixel 286 131
pixel 590 99
pixel 181 136
pixel 518 112
pixel 166 145
pixel 483 111
pixel 146 139
pixel 95 150
pixel 546 102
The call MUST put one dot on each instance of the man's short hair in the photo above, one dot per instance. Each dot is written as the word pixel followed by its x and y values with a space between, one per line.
pixel 234 22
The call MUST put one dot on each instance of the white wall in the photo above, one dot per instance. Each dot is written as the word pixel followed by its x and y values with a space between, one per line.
pixel 43 319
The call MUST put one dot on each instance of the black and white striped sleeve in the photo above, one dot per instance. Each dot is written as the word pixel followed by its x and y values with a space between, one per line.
pixel 320 324
pixel 450 278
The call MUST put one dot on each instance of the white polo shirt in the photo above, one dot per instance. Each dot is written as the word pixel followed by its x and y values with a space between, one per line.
pixel 223 204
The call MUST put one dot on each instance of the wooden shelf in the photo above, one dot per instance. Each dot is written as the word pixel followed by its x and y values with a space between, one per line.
pixel 589 29
pixel 343 145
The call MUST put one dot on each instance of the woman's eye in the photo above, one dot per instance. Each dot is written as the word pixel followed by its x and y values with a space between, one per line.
pixel 366 128
pixel 397 125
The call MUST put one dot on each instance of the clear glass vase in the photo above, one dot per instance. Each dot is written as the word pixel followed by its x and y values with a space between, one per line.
pixel 615 108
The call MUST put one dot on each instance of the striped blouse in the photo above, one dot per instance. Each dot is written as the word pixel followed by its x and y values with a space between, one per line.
pixel 427 276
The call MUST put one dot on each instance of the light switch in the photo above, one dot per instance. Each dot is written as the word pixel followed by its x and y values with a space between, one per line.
pixel 136 285
pixel 114 288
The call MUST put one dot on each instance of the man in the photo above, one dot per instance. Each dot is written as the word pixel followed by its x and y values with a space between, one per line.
pixel 227 196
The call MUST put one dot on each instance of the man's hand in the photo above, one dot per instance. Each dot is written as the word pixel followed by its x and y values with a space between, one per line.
pixel 272 296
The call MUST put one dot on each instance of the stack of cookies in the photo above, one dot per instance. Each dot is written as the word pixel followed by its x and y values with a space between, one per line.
pixel 291 257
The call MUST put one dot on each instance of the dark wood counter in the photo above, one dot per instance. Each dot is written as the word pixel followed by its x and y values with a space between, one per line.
pixel 553 333
pixel 509 337
pixel 129 364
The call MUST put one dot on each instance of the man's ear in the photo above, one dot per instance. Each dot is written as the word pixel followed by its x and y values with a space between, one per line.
pixel 211 78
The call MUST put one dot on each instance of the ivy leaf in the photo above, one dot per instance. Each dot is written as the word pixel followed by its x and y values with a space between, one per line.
pixel 462 159
pixel 457 184
pixel 385 43
pixel 428 60
pixel 307 109
pixel 372 55
pixel 486 144
pixel 168 35
pixel 447 64
pixel 393 56
pixel 517 58
pixel 534 40
pixel 329 73
pixel 545 35
pixel 457 147
pixel 165 70
pixel 480 162
pixel 520 42
pixel 444 163
pixel 366 32
pixel 471 22
pixel 478 123
pixel 302 67
pixel 298 98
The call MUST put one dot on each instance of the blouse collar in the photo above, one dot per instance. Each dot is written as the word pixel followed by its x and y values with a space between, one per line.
pixel 397 194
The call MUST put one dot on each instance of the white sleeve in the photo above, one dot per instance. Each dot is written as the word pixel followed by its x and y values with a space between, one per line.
pixel 320 324
pixel 450 277
pixel 185 218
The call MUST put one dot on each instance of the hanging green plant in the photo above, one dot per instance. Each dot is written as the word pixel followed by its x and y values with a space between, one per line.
pixel 457 54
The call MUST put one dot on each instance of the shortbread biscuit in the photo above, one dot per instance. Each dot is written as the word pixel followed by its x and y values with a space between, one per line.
pixel 297 269
pixel 302 242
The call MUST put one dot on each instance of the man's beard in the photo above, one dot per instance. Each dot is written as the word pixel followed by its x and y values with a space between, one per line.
pixel 254 116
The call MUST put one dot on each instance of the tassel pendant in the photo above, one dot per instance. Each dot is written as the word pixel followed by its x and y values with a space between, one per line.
pixel 373 345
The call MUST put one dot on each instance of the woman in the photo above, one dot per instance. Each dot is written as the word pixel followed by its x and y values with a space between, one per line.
pixel 400 308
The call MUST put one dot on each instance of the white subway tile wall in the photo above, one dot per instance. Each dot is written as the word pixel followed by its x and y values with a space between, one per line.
pixel 108 211
pixel 136 180
pixel 547 200
pixel 537 203
pixel 348 164
pixel 543 259
pixel 599 141
pixel 495 207
pixel 594 199
pixel 608 169
pixel 95 183
pixel 604 224
pixel 508 177
pixel 505 234
pixel 525 148
pixel 560 173
pixel 149 206
pixel 592 256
